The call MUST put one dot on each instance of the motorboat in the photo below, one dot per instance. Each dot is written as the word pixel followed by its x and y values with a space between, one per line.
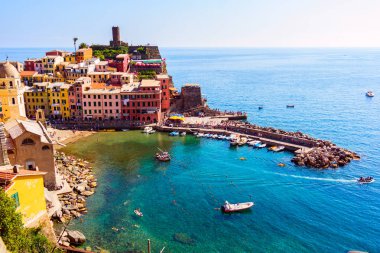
pixel 278 149
pixel 289 106
pixel 163 156
pixel 370 94
pixel 183 134
pixel 261 107
pixel 199 135
pixel 138 212
pixel 148 130
pixel 281 164
pixel 230 208
pixel 365 180
pixel 253 143
pixel 261 145
pixel 174 133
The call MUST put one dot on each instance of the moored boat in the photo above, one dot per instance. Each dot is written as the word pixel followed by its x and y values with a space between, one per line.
pixel 230 208
pixel 174 133
pixel 278 149
pixel 163 156
pixel 183 134
pixel 253 143
pixel 242 141
pixel 261 145
pixel 148 130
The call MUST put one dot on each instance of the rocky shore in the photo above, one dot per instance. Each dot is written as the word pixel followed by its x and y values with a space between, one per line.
pixel 79 175
pixel 325 155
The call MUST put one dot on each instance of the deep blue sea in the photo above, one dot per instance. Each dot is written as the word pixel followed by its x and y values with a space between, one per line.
pixel 296 209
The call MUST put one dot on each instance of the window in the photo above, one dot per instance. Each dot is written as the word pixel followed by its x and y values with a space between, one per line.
pixel 28 141
pixel 16 199
pixel 46 147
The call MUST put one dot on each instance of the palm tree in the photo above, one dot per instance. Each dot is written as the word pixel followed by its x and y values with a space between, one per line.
pixel 75 43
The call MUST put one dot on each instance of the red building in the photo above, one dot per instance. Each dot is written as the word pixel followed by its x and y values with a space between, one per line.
pixel 121 63
pixel 141 101
pixel 56 53
pixel 165 84
pixel 29 64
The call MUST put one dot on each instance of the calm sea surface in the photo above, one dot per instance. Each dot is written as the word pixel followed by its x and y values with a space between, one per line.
pixel 296 209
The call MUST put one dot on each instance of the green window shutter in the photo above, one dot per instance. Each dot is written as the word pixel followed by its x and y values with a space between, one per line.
pixel 16 199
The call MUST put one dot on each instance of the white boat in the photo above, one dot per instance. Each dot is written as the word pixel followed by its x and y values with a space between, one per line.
pixel 234 141
pixel 183 134
pixel 253 143
pixel 230 208
pixel 199 135
pixel 278 149
pixel 148 130
pixel 138 212
pixel 370 94
pixel 261 145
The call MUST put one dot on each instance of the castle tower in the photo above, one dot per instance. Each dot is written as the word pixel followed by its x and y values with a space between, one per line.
pixel 116 41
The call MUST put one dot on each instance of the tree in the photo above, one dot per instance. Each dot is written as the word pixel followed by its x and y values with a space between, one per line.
pixel 83 45
pixel 15 236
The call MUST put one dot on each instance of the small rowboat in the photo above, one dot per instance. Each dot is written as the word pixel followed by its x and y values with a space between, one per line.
pixel 230 208
pixel 138 212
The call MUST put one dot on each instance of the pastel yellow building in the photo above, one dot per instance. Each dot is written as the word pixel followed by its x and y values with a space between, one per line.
pixel 36 97
pixel 70 58
pixel 26 187
pixel 83 54
pixel 11 93
pixel 58 94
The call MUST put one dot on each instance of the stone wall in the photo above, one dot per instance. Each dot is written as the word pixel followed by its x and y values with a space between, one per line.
pixel 191 96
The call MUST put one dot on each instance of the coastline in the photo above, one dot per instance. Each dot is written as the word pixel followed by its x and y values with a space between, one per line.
pixel 63 137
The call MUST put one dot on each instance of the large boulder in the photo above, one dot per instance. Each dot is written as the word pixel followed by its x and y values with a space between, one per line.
pixel 75 237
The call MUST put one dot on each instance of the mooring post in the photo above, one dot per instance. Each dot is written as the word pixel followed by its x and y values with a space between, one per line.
pixel 148 245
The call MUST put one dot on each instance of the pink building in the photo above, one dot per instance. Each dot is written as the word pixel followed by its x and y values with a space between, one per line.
pixel 38 66
pixel 75 96
pixel 101 102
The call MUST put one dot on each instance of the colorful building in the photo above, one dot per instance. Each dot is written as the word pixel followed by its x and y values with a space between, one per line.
pixel 166 84
pixel 12 104
pixel 29 64
pixel 36 97
pixel 101 102
pixel 75 96
pixel 28 144
pixel 141 101
pixel 99 77
pixel 26 188
pixel 50 62
pixel 83 54
pixel 58 94
pixel 27 77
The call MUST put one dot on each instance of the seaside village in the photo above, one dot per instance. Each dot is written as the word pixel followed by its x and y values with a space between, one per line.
pixel 108 83
pixel 113 86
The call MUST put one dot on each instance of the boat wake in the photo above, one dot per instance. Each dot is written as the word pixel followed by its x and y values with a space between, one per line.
pixel 320 178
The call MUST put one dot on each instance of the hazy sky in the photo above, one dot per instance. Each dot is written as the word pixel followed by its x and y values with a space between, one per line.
pixel 193 23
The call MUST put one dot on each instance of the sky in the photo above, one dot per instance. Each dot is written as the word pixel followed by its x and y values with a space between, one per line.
pixel 193 23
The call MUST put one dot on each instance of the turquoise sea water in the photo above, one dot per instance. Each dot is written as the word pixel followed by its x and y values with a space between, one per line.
pixel 296 209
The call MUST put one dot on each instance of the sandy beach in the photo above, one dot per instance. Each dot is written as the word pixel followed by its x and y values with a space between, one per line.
pixel 64 137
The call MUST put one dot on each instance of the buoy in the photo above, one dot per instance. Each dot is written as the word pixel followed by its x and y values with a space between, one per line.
pixel 243 158
pixel 281 164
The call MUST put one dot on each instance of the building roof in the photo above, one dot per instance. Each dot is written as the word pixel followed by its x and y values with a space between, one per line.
pixel 7 175
pixel 162 76
pixel 16 128
pixel 28 73
pixel 7 70
pixel 150 83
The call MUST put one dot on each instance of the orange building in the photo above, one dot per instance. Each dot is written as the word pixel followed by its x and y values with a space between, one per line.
pixel 83 54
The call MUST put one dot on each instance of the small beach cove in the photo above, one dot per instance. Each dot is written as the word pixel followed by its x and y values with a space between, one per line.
pixel 295 208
